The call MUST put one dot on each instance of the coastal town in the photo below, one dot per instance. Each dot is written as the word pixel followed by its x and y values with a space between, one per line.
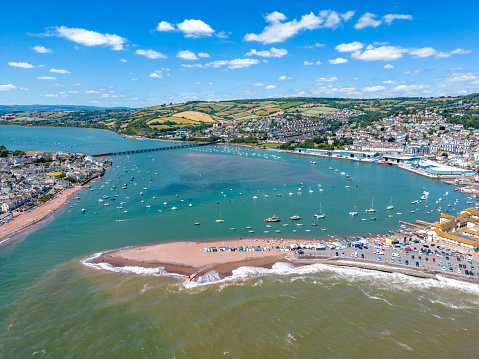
pixel 28 181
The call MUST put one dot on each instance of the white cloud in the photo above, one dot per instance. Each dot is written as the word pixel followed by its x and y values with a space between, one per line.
pixel 280 31
pixel 41 49
pixel 123 60
pixel 407 88
pixel 186 55
pixel 460 77
pixel 414 73
pixel 338 61
pixel 460 52
pixel 319 63
pixel 374 88
pixel 270 87
pixel 307 63
pixel 284 78
pixel 351 47
pixel 165 26
pixel 389 18
pixel 203 55
pixel 327 79
pixel 423 52
pixel 388 67
pixel 105 95
pixel 273 52
pixel 91 38
pixel 57 71
pixel 315 45
pixel 348 15
pixel 258 84
pixel 8 87
pixel 222 35
pixel 23 65
pixel 382 53
pixel 151 54
pixel 367 20
pixel 46 78
pixel 50 95
pixel 391 82
pixel 195 28
pixel 370 20
pixel 133 79
pixel 77 84
pixel 157 74
pixel 233 64
pixel 190 66
pixel 72 91
pixel 91 91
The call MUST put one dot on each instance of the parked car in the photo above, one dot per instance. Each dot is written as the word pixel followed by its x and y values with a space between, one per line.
pixel 406 262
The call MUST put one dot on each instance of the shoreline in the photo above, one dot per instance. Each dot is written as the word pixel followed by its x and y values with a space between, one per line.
pixel 27 220
pixel 189 259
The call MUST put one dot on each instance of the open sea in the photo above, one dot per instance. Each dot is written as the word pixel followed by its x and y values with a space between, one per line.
pixel 52 305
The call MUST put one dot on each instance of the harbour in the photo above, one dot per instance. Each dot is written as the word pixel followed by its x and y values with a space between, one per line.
pixel 43 270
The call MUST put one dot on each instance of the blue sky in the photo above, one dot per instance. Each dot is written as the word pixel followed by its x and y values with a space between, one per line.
pixel 144 53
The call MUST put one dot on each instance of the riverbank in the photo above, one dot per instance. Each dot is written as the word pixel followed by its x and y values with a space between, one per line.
pixel 25 220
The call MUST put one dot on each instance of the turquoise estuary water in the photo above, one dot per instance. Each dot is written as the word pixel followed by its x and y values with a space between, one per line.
pixel 54 306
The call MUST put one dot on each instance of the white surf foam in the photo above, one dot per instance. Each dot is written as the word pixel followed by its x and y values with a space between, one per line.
pixel 381 279
pixel 158 271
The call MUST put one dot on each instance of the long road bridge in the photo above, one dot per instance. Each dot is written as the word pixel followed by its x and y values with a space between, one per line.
pixel 155 149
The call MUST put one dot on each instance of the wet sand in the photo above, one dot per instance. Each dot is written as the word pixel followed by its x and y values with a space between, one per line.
pixel 189 257
pixel 38 214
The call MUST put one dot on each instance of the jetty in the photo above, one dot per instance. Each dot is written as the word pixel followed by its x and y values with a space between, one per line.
pixel 127 152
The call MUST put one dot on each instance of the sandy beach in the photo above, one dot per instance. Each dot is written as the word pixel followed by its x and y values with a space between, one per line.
pixel 27 219
pixel 189 257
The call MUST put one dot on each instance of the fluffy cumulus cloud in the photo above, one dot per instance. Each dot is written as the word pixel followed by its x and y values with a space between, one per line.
pixel 90 92
pixel 338 61
pixel 381 53
pixel 270 87
pixel 190 28
pixel 371 20
pixel 165 26
pixel 373 88
pixel 186 55
pixel 23 65
pixel 91 38
pixel 57 71
pixel 8 87
pixel 203 55
pixel 41 49
pixel 307 63
pixel 123 60
pixel 258 84
pixel 280 30
pixel 284 78
pixel 352 46
pixel 151 54
pixel 388 67
pixel 273 52
pixel 327 79
pixel 46 78
pixel 233 64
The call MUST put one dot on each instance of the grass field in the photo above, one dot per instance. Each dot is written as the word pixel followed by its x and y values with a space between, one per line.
pixel 312 111
pixel 195 116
